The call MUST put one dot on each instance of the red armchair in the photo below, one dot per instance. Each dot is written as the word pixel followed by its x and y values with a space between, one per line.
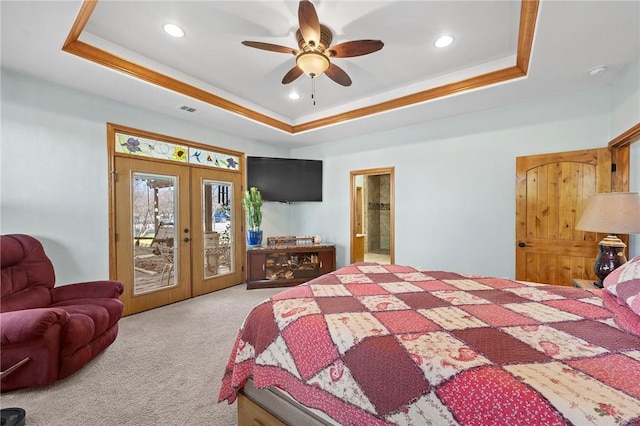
pixel 57 329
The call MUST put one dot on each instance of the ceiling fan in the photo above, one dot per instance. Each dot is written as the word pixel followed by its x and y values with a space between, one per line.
pixel 314 48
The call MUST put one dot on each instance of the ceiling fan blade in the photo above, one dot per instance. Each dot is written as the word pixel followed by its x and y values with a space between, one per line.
pixel 309 23
pixel 350 49
pixel 338 75
pixel 271 47
pixel 293 73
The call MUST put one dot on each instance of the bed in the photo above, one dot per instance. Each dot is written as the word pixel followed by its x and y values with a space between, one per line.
pixel 373 344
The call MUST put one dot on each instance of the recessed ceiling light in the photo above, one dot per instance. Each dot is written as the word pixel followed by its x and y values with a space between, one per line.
pixel 173 30
pixel 597 71
pixel 444 41
pixel 294 96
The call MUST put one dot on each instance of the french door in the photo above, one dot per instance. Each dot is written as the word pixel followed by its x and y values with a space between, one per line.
pixel 216 224
pixel 176 230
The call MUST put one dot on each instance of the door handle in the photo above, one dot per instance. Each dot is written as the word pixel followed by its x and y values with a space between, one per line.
pixel 522 244
pixel 186 240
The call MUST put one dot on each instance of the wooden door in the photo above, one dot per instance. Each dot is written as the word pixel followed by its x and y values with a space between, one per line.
pixel 552 191
pixel 152 221
pixel 217 240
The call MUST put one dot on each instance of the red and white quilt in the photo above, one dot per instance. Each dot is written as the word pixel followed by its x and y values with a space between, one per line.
pixel 377 344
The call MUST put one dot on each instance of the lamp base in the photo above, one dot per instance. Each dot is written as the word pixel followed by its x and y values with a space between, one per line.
pixel 610 256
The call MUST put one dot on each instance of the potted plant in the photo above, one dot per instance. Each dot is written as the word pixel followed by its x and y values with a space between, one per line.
pixel 252 204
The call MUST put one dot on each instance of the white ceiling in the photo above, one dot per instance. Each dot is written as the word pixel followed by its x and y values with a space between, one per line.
pixel 571 37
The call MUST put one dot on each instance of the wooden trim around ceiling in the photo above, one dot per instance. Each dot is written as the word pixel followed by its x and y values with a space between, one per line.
pixel 81 21
pixel 528 17
pixel 107 59
pixel 627 138
pixel 427 95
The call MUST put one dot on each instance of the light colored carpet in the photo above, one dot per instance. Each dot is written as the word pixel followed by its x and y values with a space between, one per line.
pixel 164 368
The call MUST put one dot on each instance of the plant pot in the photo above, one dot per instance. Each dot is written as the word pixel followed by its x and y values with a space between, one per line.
pixel 254 238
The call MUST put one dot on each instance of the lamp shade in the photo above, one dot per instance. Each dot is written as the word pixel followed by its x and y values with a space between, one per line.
pixel 312 63
pixel 613 213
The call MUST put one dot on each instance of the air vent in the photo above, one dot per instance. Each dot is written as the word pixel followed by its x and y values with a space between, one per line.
pixel 187 108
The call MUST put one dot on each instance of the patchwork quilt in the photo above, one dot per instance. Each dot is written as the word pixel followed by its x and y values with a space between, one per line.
pixel 374 344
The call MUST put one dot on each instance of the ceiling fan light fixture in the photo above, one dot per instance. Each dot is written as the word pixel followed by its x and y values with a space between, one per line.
pixel 315 49
pixel 312 63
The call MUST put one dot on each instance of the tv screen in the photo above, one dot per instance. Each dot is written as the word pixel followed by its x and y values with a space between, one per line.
pixel 285 179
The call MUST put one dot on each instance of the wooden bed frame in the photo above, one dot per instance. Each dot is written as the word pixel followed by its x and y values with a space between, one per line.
pixel 272 407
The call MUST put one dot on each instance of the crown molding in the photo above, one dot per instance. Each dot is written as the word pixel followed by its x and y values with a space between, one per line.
pixel 528 17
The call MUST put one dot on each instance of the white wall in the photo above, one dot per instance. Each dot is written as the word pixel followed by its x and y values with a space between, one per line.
pixel 634 186
pixel 625 113
pixel 454 189
pixel 455 180
pixel 54 177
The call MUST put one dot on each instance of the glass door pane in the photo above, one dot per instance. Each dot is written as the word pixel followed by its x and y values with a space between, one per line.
pixel 154 213
pixel 217 218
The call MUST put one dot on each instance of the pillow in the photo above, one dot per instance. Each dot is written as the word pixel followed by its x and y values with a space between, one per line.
pixel 624 283
pixel 624 317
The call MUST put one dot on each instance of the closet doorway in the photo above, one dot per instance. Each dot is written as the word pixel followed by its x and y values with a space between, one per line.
pixel 372 215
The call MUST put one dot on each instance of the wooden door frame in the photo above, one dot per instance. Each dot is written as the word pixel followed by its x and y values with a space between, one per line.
pixel 353 221
pixel 620 155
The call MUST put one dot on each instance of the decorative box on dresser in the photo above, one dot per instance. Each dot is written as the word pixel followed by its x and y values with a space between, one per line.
pixel 288 264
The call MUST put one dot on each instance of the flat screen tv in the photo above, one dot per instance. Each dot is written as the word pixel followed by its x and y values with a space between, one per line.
pixel 285 179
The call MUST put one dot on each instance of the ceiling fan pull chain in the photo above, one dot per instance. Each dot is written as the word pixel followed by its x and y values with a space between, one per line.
pixel 313 90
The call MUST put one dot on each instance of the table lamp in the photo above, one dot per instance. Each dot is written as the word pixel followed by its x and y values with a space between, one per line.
pixel 612 213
